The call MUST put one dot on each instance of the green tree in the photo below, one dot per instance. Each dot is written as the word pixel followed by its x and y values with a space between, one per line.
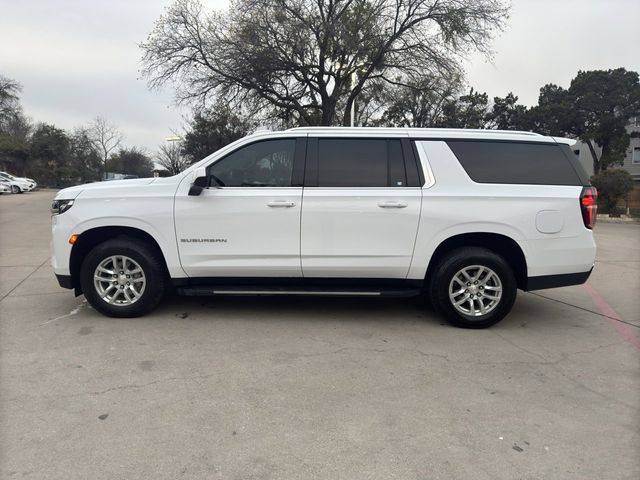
pixel 467 111
pixel 507 114
pixel 612 184
pixel 14 151
pixel 50 152
pixel 306 61
pixel 14 128
pixel 212 129
pixel 554 115
pixel 83 157
pixel 132 161
pixel 596 108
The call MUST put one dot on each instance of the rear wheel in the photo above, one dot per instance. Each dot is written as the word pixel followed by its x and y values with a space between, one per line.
pixel 473 287
pixel 123 277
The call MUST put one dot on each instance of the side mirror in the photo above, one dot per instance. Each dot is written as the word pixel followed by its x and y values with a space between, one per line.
pixel 200 181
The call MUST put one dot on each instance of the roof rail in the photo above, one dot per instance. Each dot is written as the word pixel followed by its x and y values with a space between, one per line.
pixel 425 130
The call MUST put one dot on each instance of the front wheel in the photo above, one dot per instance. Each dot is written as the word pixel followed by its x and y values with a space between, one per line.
pixel 123 277
pixel 473 287
pixel 15 189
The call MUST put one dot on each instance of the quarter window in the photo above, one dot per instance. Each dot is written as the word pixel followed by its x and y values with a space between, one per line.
pixel 262 164
pixel 360 163
pixel 515 162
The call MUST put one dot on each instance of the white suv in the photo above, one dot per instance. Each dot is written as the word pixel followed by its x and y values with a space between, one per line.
pixel 466 217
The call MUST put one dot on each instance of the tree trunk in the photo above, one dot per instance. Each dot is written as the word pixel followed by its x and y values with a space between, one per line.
pixel 328 113
pixel 604 155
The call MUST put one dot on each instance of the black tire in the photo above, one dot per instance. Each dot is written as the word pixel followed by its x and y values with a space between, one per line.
pixel 149 260
pixel 453 263
pixel 15 189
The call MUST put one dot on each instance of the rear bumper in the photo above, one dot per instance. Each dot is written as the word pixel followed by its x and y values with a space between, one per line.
pixel 555 281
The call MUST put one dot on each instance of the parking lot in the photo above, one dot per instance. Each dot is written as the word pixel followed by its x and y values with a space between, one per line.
pixel 349 388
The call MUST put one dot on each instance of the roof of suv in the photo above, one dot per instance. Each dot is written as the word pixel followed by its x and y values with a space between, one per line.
pixel 434 133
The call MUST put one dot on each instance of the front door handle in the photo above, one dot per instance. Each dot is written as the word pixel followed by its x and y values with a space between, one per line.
pixel 281 204
pixel 392 204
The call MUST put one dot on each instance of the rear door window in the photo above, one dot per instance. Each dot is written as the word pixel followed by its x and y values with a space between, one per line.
pixel 515 162
pixel 347 162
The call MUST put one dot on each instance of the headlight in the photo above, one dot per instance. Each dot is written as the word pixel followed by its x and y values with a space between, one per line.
pixel 60 206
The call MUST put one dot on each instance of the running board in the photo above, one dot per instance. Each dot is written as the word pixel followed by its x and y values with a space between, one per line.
pixel 204 291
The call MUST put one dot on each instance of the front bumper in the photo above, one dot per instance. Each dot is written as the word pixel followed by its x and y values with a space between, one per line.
pixel 64 281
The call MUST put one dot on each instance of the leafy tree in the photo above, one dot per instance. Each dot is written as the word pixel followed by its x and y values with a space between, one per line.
pixel 305 61
pixel 170 158
pixel 14 128
pixel 132 161
pixel 84 160
pixel 467 111
pixel 211 130
pixel 507 114
pixel 14 145
pixel 612 185
pixel 555 114
pixel 596 108
pixel 50 154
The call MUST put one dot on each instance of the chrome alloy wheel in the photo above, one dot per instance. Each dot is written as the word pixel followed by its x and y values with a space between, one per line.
pixel 119 280
pixel 475 290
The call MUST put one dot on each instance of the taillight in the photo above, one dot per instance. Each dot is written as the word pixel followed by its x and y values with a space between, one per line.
pixel 589 206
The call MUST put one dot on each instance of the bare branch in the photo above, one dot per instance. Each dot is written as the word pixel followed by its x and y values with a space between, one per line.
pixel 106 138
pixel 297 57
pixel 170 157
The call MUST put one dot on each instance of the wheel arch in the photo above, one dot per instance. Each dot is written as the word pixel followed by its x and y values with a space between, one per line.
pixel 498 243
pixel 95 236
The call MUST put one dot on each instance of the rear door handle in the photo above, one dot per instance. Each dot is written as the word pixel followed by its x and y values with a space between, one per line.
pixel 392 204
pixel 281 204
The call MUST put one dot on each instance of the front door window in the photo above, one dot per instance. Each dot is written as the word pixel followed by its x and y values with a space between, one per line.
pixel 261 164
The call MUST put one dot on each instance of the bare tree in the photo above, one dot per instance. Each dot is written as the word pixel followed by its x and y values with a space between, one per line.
pixel 170 157
pixel 419 103
pixel 307 60
pixel 105 137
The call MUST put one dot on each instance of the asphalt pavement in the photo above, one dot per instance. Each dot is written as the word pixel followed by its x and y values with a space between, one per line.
pixel 315 388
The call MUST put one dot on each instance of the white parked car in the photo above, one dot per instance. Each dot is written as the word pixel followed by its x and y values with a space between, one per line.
pixel 465 217
pixel 5 187
pixel 18 184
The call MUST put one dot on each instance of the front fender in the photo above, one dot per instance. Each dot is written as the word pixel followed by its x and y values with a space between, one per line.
pixel 165 238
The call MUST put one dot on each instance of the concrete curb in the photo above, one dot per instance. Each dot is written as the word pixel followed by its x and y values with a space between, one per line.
pixel 605 218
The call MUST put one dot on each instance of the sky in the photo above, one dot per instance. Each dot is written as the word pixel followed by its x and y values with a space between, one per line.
pixel 80 58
